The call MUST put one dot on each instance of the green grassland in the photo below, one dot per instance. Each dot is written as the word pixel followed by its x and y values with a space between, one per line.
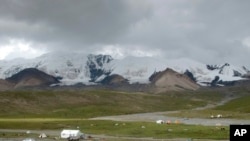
pixel 240 104
pixel 125 129
pixel 86 104
pixel 60 109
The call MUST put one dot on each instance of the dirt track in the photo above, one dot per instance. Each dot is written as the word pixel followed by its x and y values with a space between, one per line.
pixel 152 117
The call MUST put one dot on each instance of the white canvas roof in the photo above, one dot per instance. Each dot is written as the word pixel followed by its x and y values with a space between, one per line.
pixel 70 133
pixel 43 135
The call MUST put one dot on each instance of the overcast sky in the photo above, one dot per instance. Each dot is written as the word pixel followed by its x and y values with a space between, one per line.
pixel 209 31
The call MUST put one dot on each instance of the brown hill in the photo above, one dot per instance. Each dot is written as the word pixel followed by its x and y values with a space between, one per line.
pixel 169 80
pixel 31 77
pixel 114 79
pixel 5 85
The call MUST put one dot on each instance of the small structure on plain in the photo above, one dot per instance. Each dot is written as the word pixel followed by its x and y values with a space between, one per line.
pixel 71 133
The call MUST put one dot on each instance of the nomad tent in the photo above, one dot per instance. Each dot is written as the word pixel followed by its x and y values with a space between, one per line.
pixel 159 122
pixel 71 133
pixel 43 135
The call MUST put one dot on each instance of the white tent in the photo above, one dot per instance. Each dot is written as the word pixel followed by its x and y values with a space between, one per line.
pixel 71 133
pixel 159 122
pixel 43 135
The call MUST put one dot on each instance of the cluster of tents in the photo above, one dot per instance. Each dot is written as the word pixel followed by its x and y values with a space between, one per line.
pixel 65 134
pixel 167 122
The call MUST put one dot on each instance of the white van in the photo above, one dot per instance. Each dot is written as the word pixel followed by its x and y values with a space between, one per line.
pixel 65 134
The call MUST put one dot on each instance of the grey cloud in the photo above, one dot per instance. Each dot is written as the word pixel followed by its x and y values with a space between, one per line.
pixel 210 31
pixel 72 23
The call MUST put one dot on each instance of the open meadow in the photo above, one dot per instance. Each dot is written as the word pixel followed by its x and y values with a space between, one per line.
pixel 54 110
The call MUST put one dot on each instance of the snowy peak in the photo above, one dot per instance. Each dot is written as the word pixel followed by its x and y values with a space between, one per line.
pixel 227 69
pixel 98 60
pixel 97 66
pixel 72 68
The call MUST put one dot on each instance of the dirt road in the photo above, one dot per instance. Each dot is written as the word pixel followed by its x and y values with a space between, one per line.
pixel 152 117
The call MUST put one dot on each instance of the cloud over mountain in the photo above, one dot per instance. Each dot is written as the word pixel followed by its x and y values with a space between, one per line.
pixel 209 31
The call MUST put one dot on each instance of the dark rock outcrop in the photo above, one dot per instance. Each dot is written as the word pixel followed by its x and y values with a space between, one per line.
pixel 95 65
pixel 190 75
pixel 215 81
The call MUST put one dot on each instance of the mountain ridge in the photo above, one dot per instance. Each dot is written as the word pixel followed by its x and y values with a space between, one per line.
pixel 31 77
pixel 74 68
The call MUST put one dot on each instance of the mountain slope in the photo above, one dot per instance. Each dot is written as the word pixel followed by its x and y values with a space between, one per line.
pixel 31 77
pixel 114 79
pixel 171 80
pixel 73 68
pixel 138 69
pixel 5 85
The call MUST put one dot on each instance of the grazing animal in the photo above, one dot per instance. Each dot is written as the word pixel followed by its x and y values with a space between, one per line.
pixel 222 129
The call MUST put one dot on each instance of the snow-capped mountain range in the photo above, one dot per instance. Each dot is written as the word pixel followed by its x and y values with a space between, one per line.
pixel 72 68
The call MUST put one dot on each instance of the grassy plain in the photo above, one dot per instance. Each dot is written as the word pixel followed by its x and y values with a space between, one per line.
pixel 60 109
pixel 237 108
pixel 123 129
pixel 86 104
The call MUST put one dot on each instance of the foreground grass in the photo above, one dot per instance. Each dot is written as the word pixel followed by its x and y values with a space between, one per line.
pixel 124 129
pixel 86 104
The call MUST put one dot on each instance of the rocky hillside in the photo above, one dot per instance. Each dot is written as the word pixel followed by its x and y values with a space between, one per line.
pixel 171 80
pixel 31 77
pixel 114 79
